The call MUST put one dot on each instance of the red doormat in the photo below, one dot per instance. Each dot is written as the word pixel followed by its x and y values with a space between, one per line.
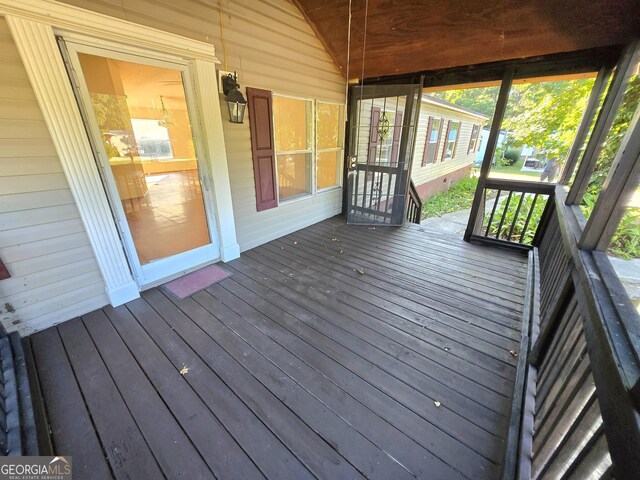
pixel 195 281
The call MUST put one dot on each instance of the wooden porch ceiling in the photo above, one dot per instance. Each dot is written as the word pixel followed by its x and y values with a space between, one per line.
pixel 417 35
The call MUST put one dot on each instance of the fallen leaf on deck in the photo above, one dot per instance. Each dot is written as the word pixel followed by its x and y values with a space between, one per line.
pixel 513 353
pixel 184 370
pixel 437 403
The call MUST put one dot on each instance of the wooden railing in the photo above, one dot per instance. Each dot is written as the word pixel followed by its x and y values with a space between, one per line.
pixel 580 415
pixel 18 434
pixel 511 212
pixel 414 204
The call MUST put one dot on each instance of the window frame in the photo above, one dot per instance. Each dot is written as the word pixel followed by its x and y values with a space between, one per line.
pixel 314 150
pixel 341 133
pixel 450 124
pixel 310 151
pixel 473 142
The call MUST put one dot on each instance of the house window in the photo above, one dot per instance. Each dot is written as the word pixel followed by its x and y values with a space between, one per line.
pixel 293 131
pixel 451 140
pixel 473 142
pixel 433 140
pixel 330 144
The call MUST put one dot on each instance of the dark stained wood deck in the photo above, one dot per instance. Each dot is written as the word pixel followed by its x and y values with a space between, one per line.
pixel 333 352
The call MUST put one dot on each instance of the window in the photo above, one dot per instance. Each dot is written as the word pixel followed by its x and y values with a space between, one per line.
pixel 152 139
pixel 433 141
pixel 473 142
pixel 293 129
pixel 330 146
pixel 451 141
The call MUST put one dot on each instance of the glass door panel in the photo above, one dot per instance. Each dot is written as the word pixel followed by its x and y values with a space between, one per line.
pixel 142 115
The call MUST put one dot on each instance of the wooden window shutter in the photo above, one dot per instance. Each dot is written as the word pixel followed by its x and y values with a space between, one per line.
pixel 473 131
pixel 426 141
pixel 373 135
pixel 455 145
pixel 435 154
pixel 397 133
pixel 264 168
pixel 4 271
pixel 446 140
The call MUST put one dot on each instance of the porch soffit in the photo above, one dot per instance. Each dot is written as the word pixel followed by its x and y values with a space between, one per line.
pixel 422 35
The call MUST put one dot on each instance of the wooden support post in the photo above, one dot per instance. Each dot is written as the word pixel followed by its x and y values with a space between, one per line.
pixel 599 87
pixel 616 193
pixel 607 114
pixel 492 142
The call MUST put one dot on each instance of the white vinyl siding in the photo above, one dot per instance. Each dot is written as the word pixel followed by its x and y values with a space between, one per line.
pixel 271 46
pixel 421 175
pixel 54 275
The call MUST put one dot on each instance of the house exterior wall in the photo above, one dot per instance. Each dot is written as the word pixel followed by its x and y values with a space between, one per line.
pixel 54 274
pixel 270 45
pixel 439 176
pixel 43 242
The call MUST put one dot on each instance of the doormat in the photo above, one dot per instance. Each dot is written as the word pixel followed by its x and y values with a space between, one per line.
pixel 195 281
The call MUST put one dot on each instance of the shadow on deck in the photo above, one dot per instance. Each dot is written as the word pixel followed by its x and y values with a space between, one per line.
pixel 333 352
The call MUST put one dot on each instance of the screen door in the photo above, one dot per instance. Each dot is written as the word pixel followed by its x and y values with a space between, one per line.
pixel 382 124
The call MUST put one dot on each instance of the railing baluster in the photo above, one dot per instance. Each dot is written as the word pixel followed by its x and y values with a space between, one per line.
pixel 526 224
pixel 493 211
pixel 515 216
pixel 504 214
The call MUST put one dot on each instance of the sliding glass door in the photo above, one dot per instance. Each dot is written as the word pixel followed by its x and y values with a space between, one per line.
pixel 141 122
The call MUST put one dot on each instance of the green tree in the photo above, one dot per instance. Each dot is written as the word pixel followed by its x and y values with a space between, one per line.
pixel 543 115
pixel 546 115
pixel 481 100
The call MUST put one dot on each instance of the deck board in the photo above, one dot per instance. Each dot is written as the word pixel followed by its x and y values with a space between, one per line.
pixel 332 352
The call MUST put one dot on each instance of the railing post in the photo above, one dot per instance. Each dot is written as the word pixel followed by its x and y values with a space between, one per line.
pixel 616 193
pixel 599 86
pixel 619 82
pixel 492 142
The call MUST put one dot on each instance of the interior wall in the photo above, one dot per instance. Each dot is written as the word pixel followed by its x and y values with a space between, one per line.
pixel 54 274
pixel 270 45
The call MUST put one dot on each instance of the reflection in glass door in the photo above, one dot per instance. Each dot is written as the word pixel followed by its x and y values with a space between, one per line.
pixel 140 116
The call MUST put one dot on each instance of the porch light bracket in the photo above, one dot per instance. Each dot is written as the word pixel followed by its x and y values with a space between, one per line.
pixel 235 100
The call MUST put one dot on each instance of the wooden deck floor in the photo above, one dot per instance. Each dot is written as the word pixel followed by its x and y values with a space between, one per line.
pixel 334 352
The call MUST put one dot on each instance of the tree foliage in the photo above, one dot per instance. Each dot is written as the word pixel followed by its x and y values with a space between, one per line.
pixel 542 115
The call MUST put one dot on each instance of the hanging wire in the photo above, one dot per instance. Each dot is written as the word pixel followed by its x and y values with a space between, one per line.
pixel 364 44
pixel 224 48
pixel 346 87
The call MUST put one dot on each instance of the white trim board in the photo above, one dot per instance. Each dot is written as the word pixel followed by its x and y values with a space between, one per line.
pixel 68 18
pixel 34 25
pixel 39 51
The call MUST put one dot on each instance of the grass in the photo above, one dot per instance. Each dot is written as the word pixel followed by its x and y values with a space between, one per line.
pixel 514 169
pixel 458 197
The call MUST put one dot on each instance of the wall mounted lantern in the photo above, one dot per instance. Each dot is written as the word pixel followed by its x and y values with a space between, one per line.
pixel 235 100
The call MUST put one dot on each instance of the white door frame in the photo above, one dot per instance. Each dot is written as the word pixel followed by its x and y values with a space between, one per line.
pixel 34 25
pixel 156 271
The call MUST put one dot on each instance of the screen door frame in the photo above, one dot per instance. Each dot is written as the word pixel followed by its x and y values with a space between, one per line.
pixel 155 272
pixel 399 169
